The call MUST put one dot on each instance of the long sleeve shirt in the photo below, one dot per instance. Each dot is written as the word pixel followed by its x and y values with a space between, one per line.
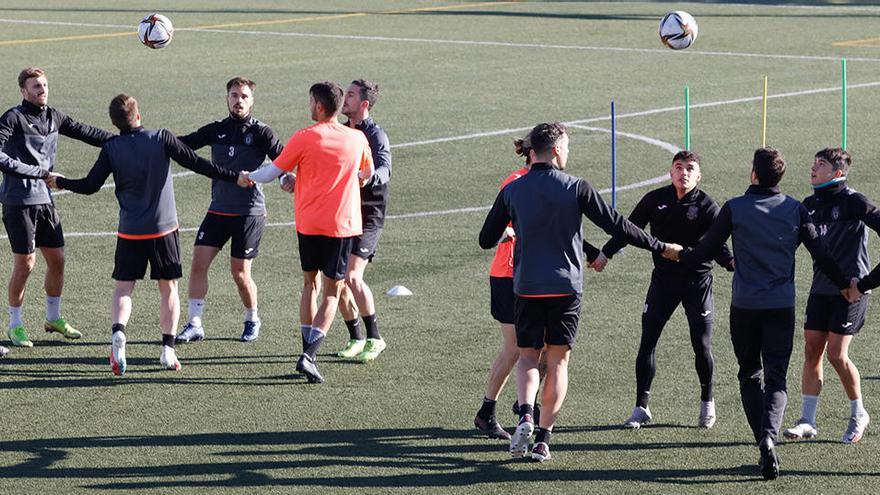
pixel 682 221
pixel 546 207
pixel 767 227
pixel 139 162
pixel 238 145
pixel 28 144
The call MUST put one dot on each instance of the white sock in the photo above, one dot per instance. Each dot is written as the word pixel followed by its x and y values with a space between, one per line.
pixel 196 307
pixel 250 314
pixel 53 308
pixel 15 316
pixel 857 408
pixel 808 409
pixel 316 334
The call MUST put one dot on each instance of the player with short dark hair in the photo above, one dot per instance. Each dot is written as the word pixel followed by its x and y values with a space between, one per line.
pixel 139 160
pixel 682 213
pixel 329 163
pixel 547 272
pixel 28 143
pixel 238 142
pixel 842 217
pixel 767 227
pixel 357 298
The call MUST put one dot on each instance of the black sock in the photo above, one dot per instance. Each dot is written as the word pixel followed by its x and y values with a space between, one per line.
pixel 370 322
pixel 642 399
pixel 305 331
pixel 542 435
pixel 487 410
pixel 168 340
pixel 706 392
pixel 311 348
pixel 526 409
pixel 118 327
pixel 354 329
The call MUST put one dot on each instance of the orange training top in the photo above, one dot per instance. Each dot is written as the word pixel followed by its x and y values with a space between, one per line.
pixel 326 158
pixel 502 263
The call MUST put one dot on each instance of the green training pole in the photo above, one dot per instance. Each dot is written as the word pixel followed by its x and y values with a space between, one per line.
pixel 687 118
pixel 843 102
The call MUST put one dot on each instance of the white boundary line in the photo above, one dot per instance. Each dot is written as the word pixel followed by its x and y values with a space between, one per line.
pixel 434 41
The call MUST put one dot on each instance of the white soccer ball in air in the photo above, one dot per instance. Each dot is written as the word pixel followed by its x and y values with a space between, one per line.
pixel 156 31
pixel 678 30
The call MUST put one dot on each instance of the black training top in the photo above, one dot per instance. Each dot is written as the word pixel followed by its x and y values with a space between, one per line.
pixel 139 162
pixel 767 227
pixel 546 207
pixel 374 194
pixel 842 217
pixel 238 145
pixel 29 137
pixel 683 222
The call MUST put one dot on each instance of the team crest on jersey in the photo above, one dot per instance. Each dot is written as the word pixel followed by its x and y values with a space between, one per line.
pixel 835 213
pixel 693 212
pixel 248 139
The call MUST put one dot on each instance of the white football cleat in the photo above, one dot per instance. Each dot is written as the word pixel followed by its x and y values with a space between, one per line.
pixel 802 430
pixel 640 416
pixel 168 359
pixel 707 414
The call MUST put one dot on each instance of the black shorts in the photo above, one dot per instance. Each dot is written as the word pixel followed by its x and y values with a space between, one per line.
pixel 550 320
pixel 501 299
pixel 244 230
pixel 329 255
pixel 364 245
pixel 30 227
pixel 163 254
pixel 833 313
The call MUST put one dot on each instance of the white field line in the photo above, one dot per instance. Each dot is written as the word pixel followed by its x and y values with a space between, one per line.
pixel 643 113
pixel 499 44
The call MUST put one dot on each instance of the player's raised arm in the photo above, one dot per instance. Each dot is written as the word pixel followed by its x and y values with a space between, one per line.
pixel 188 158
pixel 82 132
pixel 92 182
pixel 608 219
pixel 200 138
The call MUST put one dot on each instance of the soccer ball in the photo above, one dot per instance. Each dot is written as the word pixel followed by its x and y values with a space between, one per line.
pixel 155 31
pixel 678 30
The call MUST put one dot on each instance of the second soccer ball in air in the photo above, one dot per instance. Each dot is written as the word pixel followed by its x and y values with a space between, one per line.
pixel 678 30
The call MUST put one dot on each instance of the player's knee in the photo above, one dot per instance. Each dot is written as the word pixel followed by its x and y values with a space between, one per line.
pixel 837 358
pixel 354 281
pixel 24 265
pixel 813 351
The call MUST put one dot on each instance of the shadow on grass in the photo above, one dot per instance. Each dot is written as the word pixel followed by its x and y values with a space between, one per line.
pixel 426 457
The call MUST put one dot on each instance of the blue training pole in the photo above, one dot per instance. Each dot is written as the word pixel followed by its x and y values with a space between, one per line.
pixel 613 159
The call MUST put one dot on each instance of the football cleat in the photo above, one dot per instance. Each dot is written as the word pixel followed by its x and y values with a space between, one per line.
pixel 707 414
pixel 307 366
pixel 491 428
pixel 19 337
pixel 371 351
pixel 802 430
pixel 251 331
pixel 640 417
pixel 168 359
pixel 61 326
pixel 541 452
pixel 352 348
pixel 519 441
pixel 856 428
pixel 117 354
pixel 190 333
